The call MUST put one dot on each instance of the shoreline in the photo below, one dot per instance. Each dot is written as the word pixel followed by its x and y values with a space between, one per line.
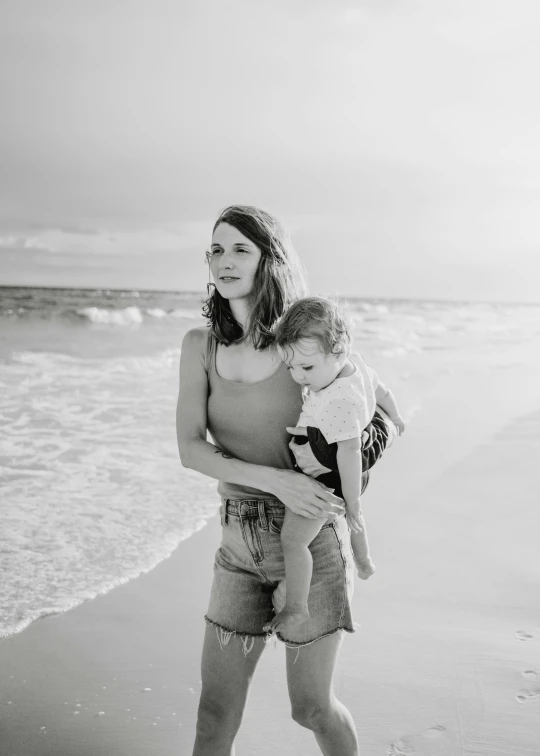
pixel 110 585
pixel 437 416
pixel 443 663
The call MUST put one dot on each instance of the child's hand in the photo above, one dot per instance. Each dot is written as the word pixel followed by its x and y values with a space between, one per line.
pixel 298 431
pixel 354 516
pixel 400 424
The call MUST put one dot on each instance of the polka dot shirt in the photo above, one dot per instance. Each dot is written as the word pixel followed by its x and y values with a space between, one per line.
pixel 343 409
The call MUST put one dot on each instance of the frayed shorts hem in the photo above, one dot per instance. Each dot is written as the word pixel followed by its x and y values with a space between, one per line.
pixel 224 635
pixel 293 644
pixel 239 633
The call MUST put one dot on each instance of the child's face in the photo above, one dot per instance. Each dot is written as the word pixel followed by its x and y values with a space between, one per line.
pixel 309 365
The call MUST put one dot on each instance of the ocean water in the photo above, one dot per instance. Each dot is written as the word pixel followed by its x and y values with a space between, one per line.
pixel 92 490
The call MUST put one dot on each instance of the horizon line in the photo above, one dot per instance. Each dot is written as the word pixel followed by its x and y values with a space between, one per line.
pixel 342 296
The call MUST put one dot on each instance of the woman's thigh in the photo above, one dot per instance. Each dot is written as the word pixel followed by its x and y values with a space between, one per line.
pixel 310 671
pixel 227 671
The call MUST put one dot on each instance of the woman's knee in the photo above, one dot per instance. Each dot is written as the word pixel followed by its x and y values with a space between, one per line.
pixel 216 716
pixel 314 715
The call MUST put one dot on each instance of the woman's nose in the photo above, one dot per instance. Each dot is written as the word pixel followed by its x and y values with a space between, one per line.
pixel 226 260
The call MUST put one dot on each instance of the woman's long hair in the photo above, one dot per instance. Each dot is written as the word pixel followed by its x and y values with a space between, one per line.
pixel 279 280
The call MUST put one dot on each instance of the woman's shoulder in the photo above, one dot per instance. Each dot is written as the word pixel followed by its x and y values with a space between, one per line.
pixel 195 343
pixel 197 335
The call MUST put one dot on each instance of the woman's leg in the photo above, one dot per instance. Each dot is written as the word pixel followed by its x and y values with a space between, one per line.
pixel 296 535
pixel 310 670
pixel 226 672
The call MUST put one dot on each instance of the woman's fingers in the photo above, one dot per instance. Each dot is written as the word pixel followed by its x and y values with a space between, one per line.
pixel 304 495
pixel 331 508
pixel 314 508
pixel 306 510
pixel 332 502
pixel 311 514
pixel 297 431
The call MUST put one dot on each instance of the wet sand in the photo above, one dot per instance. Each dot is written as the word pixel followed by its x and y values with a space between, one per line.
pixel 447 660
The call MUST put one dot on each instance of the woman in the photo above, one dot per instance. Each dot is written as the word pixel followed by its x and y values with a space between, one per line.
pixel 233 384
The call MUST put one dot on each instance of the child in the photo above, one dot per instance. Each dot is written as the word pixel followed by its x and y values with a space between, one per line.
pixel 340 398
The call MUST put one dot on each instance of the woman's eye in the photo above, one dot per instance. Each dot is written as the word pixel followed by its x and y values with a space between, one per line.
pixel 215 252
pixel 246 251
pixel 308 368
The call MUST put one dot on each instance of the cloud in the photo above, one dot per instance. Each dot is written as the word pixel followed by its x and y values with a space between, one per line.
pixel 398 128
pixel 27 243
pixel 66 228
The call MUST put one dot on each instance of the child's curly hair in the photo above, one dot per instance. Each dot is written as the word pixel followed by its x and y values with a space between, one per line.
pixel 315 318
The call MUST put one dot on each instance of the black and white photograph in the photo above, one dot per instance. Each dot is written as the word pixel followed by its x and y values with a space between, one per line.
pixel 269 378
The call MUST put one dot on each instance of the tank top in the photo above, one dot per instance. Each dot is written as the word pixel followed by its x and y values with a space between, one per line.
pixel 249 420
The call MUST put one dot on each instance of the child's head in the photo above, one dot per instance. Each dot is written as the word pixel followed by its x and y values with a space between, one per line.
pixel 313 339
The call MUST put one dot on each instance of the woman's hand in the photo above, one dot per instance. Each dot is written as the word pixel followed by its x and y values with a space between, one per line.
pixel 305 496
pixel 297 430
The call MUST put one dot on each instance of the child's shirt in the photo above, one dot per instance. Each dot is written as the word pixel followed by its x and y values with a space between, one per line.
pixel 343 409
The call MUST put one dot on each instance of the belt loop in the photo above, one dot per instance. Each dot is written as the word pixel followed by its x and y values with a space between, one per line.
pixel 262 515
pixel 225 512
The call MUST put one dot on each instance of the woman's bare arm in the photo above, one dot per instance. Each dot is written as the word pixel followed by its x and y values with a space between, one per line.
pixel 298 492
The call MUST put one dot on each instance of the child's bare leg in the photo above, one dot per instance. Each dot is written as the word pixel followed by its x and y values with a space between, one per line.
pixel 296 535
pixel 360 547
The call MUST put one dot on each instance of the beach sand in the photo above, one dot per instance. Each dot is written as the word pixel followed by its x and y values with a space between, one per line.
pixel 447 659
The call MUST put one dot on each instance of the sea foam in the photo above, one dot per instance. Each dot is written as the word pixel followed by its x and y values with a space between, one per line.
pixel 93 491
pixel 126 316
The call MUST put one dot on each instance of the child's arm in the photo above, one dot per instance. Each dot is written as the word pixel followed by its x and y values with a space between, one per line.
pixel 387 401
pixel 349 461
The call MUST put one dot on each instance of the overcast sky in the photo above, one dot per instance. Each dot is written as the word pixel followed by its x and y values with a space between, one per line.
pixel 398 140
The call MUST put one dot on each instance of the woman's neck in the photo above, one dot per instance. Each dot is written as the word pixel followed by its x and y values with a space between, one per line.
pixel 240 309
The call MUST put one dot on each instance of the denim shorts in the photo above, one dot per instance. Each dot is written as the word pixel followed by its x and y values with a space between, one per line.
pixel 249 575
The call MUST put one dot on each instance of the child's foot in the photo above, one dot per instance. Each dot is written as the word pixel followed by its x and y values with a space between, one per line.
pixel 286 620
pixel 365 568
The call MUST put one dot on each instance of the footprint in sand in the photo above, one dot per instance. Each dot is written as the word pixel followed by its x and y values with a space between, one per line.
pixel 402 747
pixel 434 732
pixel 530 676
pixel 521 635
pixel 409 745
pixel 525 694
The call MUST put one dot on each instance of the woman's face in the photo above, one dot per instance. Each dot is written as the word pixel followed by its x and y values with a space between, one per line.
pixel 233 262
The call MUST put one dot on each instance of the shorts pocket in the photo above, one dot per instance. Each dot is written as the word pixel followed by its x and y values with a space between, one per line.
pixel 275 524
pixel 222 515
